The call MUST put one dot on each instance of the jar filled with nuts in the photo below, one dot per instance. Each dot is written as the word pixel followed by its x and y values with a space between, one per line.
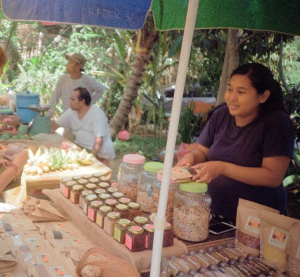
pixel 191 211
pixel 128 174
pixel 146 179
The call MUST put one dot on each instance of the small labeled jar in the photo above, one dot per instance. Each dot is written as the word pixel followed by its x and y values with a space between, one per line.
pixel 110 221
pixel 87 200
pixel 82 182
pixel 82 196
pixel 97 174
pixel 104 196
pixel 149 236
pixel 91 186
pixel 75 193
pixel 87 176
pixel 128 174
pixel 94 180
pixel 134 210
pixel 123 210
pixel 93 208
pixel 118 195
pixel 62 184
pixel 140 221
pixel 76 177
pixel 101 214
pixel 100 191
pixel 104 185
pixel 112 190
pixel 104 179
pixel 147 178
pixel 120 229
pixel 135 239
pixel 68 188
pixel 168 235
pixel 111 202
pixel 124 200
pixel 191 211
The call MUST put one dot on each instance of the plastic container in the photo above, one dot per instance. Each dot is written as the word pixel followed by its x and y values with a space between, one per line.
pixel 173 187
pixel 191 211
pixel 147 178
pixel 23 101
pixel 128 174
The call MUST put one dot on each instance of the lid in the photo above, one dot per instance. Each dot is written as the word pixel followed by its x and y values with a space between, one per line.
pixel 104 185
pixel 77 187
pixel 104 178
pixel 122 207
pixel 135 229
pixel 134 159
pixel 91 186
pixel 193 187
pixel 104 196
pixel 97 174
pixel 86 192
pixel 114 215
pixel 168 226
pixel 91 197
pixel 124 222
pixel 70 183
pixel 96 204
pixel 94 180
pixel 153 166
pixel 111 202
pixel 77 177
pixel 100 191
pixel 112 189
pixel 66 179
pixel 105 209
pixel 118 194
pixel 82 181
pixel 149 227
pixel 133 205
pixel 141 220
pixel 87 176
pixel 124 200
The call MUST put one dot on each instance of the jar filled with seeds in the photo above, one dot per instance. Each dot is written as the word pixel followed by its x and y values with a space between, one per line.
pixel 191 211
pixel 128 174
pixel 146 180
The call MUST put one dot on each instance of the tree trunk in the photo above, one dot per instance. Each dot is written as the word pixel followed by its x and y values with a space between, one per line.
pixel 231 61
pixel 145 44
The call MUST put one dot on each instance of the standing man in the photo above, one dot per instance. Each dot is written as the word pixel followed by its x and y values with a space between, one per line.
pixel 88 124
pixel 74 78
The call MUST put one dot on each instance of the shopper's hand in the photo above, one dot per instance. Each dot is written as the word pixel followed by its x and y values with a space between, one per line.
pixel 20 159
pixel 187 160
pixel 208 171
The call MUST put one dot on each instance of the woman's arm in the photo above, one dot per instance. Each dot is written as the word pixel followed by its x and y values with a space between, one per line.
pixel 270 174
pixel 198 155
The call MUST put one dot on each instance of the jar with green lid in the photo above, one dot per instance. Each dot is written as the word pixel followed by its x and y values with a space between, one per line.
pixel 100 191
pixel 111 202
pixel 118 195
pixel 147 178
pixel 82 181
pixel 87 200
pixel 68 188
pixel 105 179
pixel 124 200
pixel 140 220
pixel 94 180
pixel 135 239
pixel 91 186
pixel 104 196
pixel 87 176
pixel 82 196
pixel 120 229
pixel 112 190
pixel 104 185
pixel 76 177
pixel 62 184
pixel 191 211
pixel 168 235
pixel 93 208
pixel 101 214
pixel 128 174
pixel 110 221
pixel 123 210
pixel 134 210
pixel 173 187
pixel 75 193
pixel 149 236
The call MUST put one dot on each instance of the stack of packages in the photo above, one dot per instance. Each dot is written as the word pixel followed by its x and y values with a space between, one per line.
pixel 276 238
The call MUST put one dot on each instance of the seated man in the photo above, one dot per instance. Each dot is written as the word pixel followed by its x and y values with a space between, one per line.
pixel 88 124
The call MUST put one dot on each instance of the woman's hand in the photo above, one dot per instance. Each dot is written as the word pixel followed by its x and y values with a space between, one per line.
pixel 187 160
pixel 208 171
pixel 20 159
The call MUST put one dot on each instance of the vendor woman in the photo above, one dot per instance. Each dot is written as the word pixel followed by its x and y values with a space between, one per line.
pixel 247 144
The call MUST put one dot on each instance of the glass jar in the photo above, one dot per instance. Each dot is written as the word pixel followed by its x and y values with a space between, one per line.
pixel 191 211
pixel 68 188
pixel 149 236
pixel 111 202
pixel 87 176
pixel 104 185
pixel 94 180
pixel 140 221
pixel 104 196
pixel 91 186
pixel 105 179
pixel 62 184
pixel 124 200
pixel 173 187
pixel 82 196
pixel 135 239
pixel 168 235
pixel 82 182
pixel 101 214
pixel 75 193
pixel 100 191
pixel 146 180
pixel 92 209
pixel 76 177
pixel 87 200
pixel 112 190
pixel 134 210
pixel 110 221
pixel 128 174
pixel 118 195
pixel 120 229
pixel 123 210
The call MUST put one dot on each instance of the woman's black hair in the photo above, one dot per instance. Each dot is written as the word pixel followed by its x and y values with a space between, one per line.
pixel 262 79
pixel 83 94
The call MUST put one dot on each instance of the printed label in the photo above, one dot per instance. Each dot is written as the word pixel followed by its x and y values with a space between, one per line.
pixel 298 252
pixel 253 224
pixel 78 242
pixel 57 271
pixel 31 240
pixel 128 241
pixel 84 207
pixel 61 188
pixel 91 214
pixel 43 258
pixel 278 238
pixel 147 242
pixel 37 247
pixel 61 226
pixel 14 216
pixel 99 220
pixel 117 234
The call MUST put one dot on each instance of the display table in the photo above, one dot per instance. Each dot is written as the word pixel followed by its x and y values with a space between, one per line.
pixel 141 260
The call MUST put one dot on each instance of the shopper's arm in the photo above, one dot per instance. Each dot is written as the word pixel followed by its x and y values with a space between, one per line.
pixel 97 145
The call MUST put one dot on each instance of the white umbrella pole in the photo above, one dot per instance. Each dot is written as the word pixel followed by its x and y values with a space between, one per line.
pixel 159 223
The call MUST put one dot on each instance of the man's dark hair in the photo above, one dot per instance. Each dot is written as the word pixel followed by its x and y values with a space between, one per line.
pixel 83 94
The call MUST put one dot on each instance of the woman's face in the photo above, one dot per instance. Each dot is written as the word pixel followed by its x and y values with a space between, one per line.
pixel 242 99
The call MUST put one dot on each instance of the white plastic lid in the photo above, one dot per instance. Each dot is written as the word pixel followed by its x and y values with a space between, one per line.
pixel 134 159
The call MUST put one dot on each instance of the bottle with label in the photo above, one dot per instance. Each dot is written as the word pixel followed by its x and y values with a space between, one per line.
pixel 93 208
pixel 87 200
pixel 123 210
pixel 168 235
pixel 134 210
pixel 120 229
pixel 75 193
pixel 110 221
pixel 82 196
pixel 135 239
pixel 101 214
